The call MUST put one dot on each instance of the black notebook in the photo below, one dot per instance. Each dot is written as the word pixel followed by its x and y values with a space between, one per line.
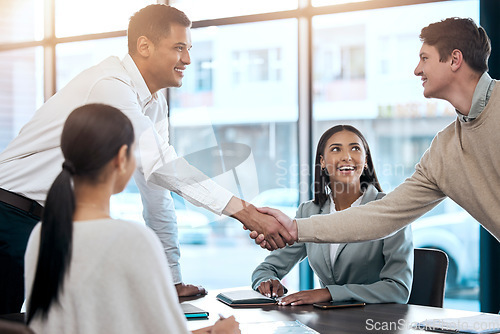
pixel 245 298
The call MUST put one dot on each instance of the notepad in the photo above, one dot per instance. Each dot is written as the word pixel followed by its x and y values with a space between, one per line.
pixel 193 312
pixel 245 298
pixel 480 324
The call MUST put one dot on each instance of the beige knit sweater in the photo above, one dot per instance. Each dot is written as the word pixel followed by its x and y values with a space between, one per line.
pixel 463 163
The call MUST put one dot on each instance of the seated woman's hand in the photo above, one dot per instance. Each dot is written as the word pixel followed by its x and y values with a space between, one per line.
pixel 226 326
pixel 271 288
pixel 307 297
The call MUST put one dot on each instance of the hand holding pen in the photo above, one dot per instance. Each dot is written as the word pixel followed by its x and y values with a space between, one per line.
pixel 226 326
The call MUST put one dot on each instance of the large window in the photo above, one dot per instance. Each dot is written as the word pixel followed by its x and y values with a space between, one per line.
pixel 21 89
pixel 73 18
pixel 21 21
pixel 202 9
pixel 242 96
pixel 363 76
pixel 251 99
pixel 72 58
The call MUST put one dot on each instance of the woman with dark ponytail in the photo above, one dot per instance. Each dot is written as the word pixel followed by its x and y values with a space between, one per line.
pixel 84 271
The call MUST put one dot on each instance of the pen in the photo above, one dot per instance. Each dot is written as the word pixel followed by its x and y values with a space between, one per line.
pixel 221 317
pixel 271 293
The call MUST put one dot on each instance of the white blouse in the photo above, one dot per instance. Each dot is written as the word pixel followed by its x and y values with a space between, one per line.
pixel 335 247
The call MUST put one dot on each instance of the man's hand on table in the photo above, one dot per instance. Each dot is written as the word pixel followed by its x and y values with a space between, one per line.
pixel 186 290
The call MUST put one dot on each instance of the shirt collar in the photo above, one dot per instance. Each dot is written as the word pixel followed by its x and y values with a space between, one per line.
pixel 145 95
pixel 354 204
pixel 479 99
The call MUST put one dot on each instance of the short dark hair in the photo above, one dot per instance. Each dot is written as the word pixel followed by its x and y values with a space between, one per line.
pixel 462 34
pixel 321 177
pixel 154 22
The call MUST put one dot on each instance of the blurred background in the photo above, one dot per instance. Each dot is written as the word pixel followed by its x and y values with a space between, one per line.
pixel 272 75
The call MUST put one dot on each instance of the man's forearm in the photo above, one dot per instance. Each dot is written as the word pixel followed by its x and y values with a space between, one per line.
pixel 237 208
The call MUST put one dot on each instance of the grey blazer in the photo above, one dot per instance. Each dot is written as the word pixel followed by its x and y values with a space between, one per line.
pixel 379 271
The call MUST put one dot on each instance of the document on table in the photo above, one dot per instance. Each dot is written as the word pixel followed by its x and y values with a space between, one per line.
pixel 276 327
pixel 480 324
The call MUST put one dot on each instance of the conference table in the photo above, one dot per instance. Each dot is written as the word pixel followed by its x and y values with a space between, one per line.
pixel 372 318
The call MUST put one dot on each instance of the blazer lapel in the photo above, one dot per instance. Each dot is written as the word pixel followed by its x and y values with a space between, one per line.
pixel 370 194
pixel 325 248
pixel 339 250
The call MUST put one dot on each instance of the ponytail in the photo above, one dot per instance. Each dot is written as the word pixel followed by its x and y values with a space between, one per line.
pixel 92 136
pixel 55 244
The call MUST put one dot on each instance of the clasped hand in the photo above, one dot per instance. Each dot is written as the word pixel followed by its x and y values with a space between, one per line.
pixel 282 225
pixel 270 228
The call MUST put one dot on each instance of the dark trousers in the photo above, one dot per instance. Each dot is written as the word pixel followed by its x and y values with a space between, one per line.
pixel 15 228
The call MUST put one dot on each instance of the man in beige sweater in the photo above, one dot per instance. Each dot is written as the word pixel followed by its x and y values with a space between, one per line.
pixel 463 161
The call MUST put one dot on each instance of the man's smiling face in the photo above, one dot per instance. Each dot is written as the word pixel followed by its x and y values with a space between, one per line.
pixel 434 73
pixel 169 58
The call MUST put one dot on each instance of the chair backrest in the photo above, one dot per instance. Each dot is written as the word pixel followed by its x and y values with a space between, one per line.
pixel 429 277
pixel 14 327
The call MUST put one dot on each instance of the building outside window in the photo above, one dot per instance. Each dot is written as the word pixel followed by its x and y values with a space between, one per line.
pixel 242 89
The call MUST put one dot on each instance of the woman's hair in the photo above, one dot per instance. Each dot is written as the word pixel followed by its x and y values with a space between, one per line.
pixel 92 136
pixel 321 177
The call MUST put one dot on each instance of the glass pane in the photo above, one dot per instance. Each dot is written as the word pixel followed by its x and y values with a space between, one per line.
pixel 94 16
pixel 22 20
pixel 318 3
pixel 203 10
pixel 72 58
pixel 363 76
pixel 240 93
pixel 21 90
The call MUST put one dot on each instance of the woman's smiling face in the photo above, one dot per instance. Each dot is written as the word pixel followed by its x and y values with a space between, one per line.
pixel 344 158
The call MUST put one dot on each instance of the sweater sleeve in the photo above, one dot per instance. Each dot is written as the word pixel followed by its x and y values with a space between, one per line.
pixel 396 275
pixel 410 200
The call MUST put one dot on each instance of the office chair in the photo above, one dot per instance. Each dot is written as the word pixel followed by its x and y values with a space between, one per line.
pixel 14 327
pixel 429 277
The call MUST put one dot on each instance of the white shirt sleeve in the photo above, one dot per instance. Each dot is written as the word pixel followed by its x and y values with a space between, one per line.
pixel 157 159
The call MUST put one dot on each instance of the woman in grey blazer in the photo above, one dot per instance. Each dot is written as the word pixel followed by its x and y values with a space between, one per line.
pixel 379 271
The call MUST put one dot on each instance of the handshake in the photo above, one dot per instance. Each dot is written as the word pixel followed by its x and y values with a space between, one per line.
pixel 270 228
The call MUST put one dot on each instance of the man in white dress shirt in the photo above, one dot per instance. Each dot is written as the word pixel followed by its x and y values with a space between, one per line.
pixel 159 41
